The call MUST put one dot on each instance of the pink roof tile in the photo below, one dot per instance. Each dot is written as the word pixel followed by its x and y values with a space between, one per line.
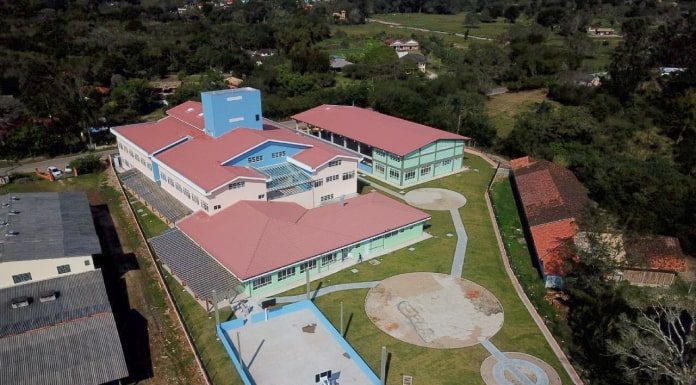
pixel 251 238
pixel 190 112
pixel 551 242
pixel 154 136
pixel 200 160
pixel 388 133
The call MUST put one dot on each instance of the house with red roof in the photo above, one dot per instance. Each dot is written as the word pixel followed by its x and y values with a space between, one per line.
pixel 212 154
pixel 552 199
pixel 393 150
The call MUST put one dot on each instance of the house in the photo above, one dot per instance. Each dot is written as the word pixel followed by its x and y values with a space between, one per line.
pixel 415 58
pixel 59 331
pixel 666 71
pixel 404 45
pixel 393 150
pixel 581 79
pixel 599 31
pixel 269 204
pixel 338 63
pixel 339 16
pixel 45 235
pixel 552 200
pixel 233 82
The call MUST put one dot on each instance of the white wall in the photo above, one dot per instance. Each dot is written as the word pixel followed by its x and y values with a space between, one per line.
pixel 125 148
pixel 42 269
pixel 338 187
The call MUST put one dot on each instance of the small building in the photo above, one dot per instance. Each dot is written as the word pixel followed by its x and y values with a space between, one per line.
pixel 404 45
pixel 552 200
pixel 60 331
pixel 338 63
pixel 45 235
pixel 166 86
pixel 339 16
pixel 416 58
pixel 581 79
pixel 600 31
pixel 393 150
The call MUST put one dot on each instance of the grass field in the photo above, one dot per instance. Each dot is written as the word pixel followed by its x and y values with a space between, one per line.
pixel 482 265
pixel 503 108
pixel 380 31
pixel 446 23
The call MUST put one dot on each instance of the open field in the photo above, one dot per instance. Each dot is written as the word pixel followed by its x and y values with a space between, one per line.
pixel 446 23
pixel 503 108
pixel 380 32
pixel 482 265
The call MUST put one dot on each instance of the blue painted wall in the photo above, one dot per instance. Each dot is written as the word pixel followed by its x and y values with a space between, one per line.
pixel 266 150
pixel 155 169
pixel 225 110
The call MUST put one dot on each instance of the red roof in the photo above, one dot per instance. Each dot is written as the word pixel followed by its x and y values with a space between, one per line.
pixel 251 238
pixel 385 132
pixel 154 136
pixel 658 252
pixel 551 241
pixel 190 113
pixel 200 160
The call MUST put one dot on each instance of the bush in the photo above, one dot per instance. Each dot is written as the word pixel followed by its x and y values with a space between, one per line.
pixel 87 164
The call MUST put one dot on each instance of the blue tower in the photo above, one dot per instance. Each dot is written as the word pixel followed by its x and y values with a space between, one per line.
pixel 225 110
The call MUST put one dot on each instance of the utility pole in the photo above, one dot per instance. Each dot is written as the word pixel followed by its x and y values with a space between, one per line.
pixel 383 367
pixel 341 318
pixel 307 279
pixel 215 307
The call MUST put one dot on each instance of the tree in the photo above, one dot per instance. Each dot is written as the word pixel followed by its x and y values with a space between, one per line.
pixel 659 343
pixel 511 13
pixel 11 114
pixel 471 20
pixel 630 64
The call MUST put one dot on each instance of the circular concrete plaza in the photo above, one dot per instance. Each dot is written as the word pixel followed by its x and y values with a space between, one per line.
pixel 518 369
pixel 435 199
pixel 434 310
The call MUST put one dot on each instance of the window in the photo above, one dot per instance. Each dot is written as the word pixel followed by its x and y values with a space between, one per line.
pixel 335 163
pixel 235 185
pixel 425 170
pixel 286 273
pixel 328 259
pixel 204 205
pixel 331 178
pixel 390 234
pixel 348 175
pixel 63 269
pixel 87 262
pixel 163 176
pixel 379 168
pixel 278 154
pixel 394 174
pixel 326 198
pixel 255 158
pixel 261 282
pixel 378 152
pixel 194 198
pixel 257 117
pixel 187 193
pixel 262 196
pixel 178 187
pixel 149 166
pixel 446 162
pixel 217 207
pixel 410 175
pixel 318 183
pixel 120 146
pixel 308 265
pixel 395 158
pixel 170 181
pixel 19 278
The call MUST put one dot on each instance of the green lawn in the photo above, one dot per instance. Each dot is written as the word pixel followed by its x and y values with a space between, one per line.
pixel 483 265
pixel 446 23
pixel 503 108
pixel 377 31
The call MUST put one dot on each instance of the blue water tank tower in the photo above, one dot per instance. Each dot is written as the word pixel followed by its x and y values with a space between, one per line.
pixel 225 110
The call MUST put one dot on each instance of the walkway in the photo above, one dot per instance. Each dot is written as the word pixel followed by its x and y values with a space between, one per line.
pixel 328 290
pixel 462 240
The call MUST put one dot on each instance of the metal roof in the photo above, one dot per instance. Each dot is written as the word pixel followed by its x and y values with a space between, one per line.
pixel 196 268
pixel 71 340
pixel 46 225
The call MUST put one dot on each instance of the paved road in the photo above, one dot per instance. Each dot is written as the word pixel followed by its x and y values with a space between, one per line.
pixel 59 162
pixel 398 25
pixel 462 240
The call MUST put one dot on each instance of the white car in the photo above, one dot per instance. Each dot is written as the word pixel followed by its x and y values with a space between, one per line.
pixel 68 169
pixel 54 171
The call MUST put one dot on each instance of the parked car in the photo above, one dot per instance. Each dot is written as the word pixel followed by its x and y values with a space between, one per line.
pixel 55 171
pixel 68 169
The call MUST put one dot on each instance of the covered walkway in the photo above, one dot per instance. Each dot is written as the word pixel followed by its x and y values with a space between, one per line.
pixel 153 196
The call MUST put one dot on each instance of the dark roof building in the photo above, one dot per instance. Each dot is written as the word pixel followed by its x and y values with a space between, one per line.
pixel 59 331
pixel 46 225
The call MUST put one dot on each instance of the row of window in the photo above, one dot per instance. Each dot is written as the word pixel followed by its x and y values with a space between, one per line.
pixel 141 160
pixel 255 159
pixel 279 154
pixel 184 190
pixel 331 178
pixel 348 175
pixel 382 153
pixel 235 185
pixel 326 198
pixel 291 271
pixel 411 174
pixel 61 269
pixel 335 163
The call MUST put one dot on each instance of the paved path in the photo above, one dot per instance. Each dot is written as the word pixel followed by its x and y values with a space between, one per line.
pixel 398 25
pixel 328 290
pixel 59 162
pixel 462 240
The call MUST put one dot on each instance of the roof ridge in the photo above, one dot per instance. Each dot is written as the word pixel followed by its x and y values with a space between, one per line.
pixel 258 243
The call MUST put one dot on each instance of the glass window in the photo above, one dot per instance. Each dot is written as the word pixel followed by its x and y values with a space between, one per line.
pixel 335 163
pixel 348 175
pixel 87 262
pixel 204 205
pixel 255 159
pixel 19 278
pixel 308 265
pixel 326 198
pixel 63 269
pixel 379 168
pixel 328 259
pixel 217 207
pixel 331 178
pixel 235 185
pixel 278 154
pixel 394 174
pixel 261 282
pixel 425 170
pixel 446 162
pixel 262 196
pixel 410 175
pixel 318 183
pixel 286 273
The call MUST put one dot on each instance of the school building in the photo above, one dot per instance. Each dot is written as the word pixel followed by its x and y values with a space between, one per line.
pixel 393 150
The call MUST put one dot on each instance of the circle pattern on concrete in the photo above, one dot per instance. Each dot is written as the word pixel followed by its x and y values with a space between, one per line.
pixel 532 370
pixel 434 310
pixel 435 199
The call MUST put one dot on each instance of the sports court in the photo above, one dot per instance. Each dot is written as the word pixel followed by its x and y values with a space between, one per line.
pixel 293 346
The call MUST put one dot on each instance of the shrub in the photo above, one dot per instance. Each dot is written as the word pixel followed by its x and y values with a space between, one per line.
pixel 87 164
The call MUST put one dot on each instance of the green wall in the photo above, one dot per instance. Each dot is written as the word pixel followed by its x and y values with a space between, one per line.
pixel 376 245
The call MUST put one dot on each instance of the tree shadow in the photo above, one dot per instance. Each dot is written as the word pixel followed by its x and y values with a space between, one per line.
pixel 316 291
pixel 132 325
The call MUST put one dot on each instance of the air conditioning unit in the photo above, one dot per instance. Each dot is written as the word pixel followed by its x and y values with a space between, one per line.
pixel 48 296
pixel 20 302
